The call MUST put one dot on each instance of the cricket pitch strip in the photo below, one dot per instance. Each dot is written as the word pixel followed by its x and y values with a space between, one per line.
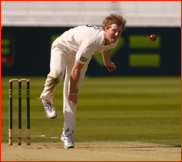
pixel 91 151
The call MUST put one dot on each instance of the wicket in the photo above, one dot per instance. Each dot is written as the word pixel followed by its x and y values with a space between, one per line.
pixel 19 109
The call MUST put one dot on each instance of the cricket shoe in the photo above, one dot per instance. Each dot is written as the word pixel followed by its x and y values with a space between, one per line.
pixel 67 138
pixel 49 109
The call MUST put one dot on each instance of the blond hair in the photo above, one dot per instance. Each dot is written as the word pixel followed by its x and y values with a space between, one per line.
pixel 114 19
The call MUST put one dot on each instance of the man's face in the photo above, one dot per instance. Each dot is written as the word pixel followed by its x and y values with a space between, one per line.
pixel 113 33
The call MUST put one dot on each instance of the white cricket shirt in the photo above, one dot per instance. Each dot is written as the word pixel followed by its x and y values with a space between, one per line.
pixel 83 41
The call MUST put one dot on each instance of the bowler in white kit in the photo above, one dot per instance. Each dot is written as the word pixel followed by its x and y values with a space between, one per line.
pixel 73 51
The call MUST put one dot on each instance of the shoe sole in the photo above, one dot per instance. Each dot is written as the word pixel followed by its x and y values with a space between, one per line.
pixel 51 117
pixel 69 147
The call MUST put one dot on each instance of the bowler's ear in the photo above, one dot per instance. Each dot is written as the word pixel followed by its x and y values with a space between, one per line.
pixel 105 28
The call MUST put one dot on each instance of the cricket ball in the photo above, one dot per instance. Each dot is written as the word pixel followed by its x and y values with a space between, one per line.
pixel 153 37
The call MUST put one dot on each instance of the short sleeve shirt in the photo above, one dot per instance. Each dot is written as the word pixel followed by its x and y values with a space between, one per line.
pixel 84 41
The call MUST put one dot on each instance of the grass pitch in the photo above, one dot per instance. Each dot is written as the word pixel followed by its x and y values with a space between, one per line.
pixel 144 109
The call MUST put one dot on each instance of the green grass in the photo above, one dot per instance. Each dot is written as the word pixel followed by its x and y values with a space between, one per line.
pixel 146 109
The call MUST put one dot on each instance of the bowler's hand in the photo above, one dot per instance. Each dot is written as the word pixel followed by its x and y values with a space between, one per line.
pixel 111 66
pixel 73 98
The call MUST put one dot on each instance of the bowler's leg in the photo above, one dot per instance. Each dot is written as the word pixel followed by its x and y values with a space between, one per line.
pixel 57 69
pixel 69 108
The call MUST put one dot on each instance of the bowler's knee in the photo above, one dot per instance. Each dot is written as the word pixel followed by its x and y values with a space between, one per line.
pixel 57 75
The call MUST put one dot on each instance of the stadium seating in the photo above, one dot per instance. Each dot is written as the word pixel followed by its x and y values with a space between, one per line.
pixel 73 13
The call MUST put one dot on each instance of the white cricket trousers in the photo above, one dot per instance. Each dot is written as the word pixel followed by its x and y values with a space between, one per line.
pixel 61 60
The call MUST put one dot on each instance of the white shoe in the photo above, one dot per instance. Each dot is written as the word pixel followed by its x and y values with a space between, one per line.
pixel 49 109
pixel 67 138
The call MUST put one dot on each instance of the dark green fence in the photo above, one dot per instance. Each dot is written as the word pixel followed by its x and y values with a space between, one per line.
pixel 25 51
